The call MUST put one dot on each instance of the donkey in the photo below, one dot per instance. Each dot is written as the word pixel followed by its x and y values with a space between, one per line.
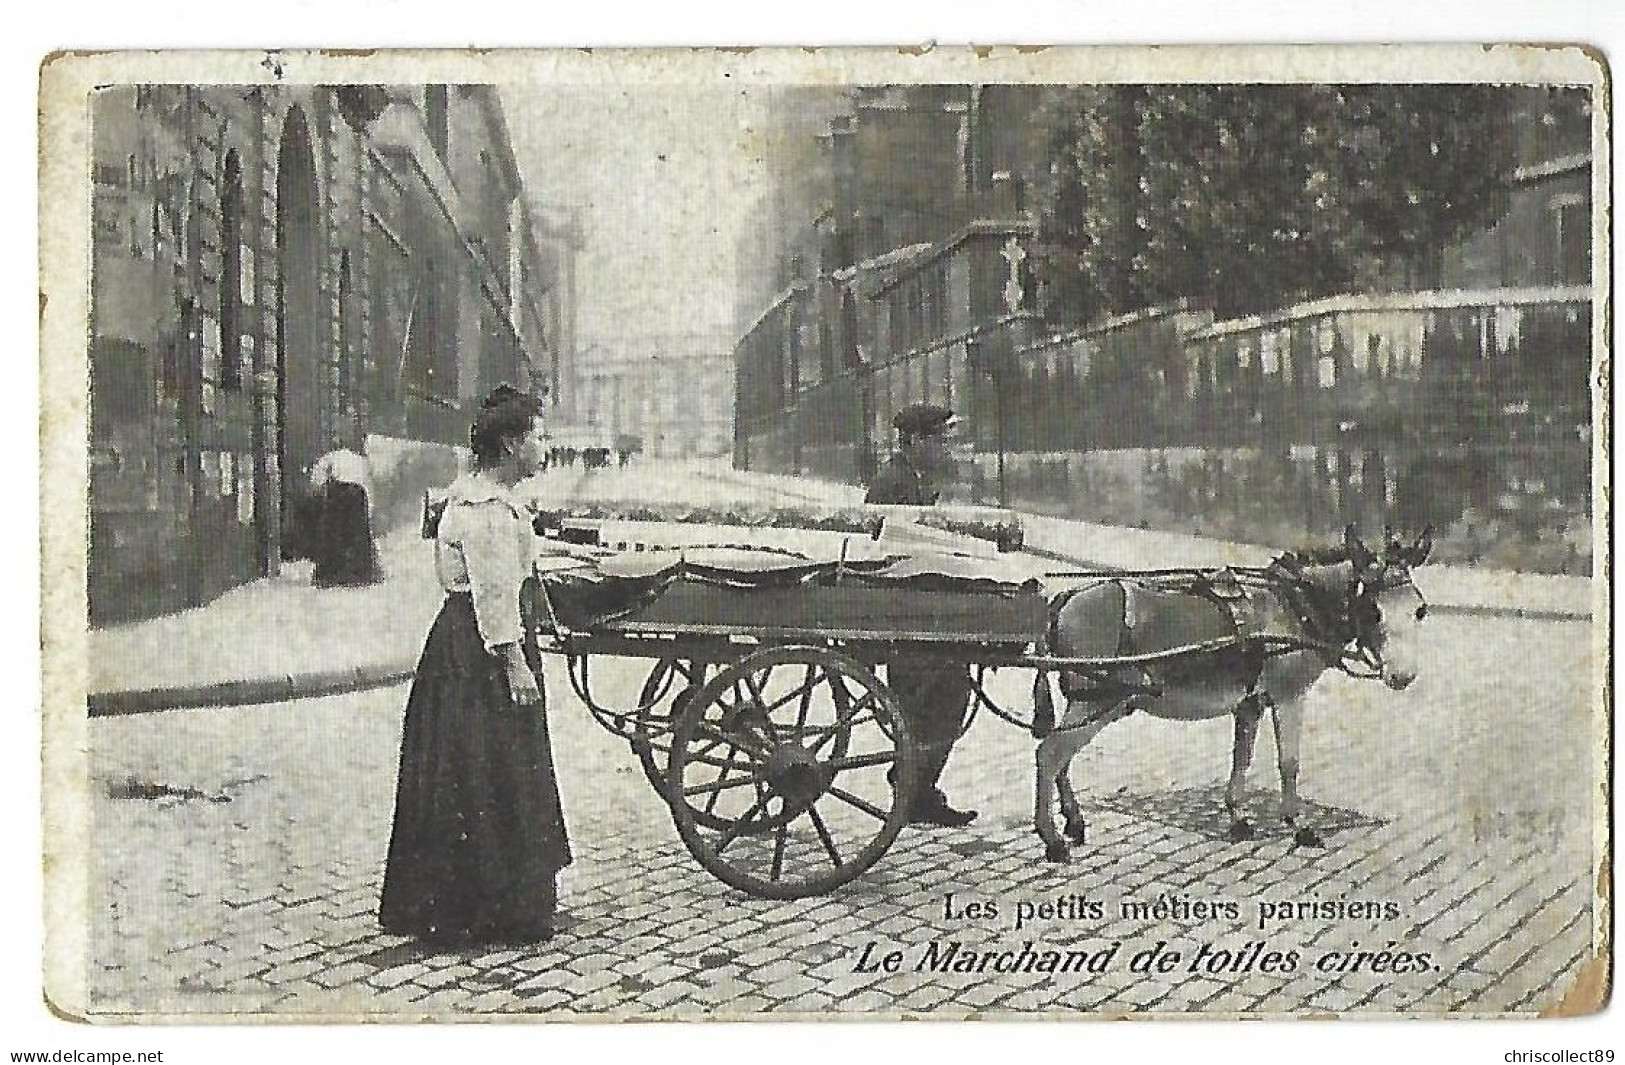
pixel 1256 640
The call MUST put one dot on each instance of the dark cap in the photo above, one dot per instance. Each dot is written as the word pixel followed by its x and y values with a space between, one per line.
pixel 922 419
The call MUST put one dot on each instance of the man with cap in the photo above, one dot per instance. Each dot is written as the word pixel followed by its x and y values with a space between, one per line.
pixel 932 694
pixel 916 470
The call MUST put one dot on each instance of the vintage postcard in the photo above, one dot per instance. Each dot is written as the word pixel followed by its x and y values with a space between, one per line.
pixel 867 533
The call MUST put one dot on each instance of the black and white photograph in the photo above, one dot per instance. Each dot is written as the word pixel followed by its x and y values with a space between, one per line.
pixel 838 534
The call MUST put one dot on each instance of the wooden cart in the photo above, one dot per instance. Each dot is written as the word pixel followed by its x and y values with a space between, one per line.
pixel 764 720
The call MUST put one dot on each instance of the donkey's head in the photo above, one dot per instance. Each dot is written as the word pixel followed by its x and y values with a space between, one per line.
pixel 1385 606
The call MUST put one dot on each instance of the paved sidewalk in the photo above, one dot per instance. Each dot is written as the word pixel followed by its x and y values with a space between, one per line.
pixel 279 637
pixel 282 638
pixel 276 632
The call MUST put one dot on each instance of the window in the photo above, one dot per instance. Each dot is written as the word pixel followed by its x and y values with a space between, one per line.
pixel 346 385
pixel 916 313
pixel 208 340
pixel 1573 266
pixel 435 117
pixel 826 350
pixel 232 320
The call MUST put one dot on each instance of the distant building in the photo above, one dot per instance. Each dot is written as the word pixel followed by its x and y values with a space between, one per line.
pixel 792 128
pixel 275 270
pixel 907 274
pixel 672 392
pixel 1544 239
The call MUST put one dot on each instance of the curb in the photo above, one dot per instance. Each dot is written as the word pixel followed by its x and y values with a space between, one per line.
pixel 251 692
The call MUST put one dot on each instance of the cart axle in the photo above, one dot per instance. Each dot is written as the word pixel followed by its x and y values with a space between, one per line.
pixel 797 776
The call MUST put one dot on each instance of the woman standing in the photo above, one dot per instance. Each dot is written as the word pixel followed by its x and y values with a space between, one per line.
pixel 479 834
pixel 345 552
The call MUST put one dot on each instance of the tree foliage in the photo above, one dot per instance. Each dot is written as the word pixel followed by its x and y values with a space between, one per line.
pixel 1248 197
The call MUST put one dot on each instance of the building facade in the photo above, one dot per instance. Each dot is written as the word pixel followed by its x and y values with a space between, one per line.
pixel 278 271
pixel 909 281
pixel 1544 237
pixel 906 279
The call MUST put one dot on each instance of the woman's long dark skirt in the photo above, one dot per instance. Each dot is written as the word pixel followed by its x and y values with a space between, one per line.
pixel 345 551
pixel 479 832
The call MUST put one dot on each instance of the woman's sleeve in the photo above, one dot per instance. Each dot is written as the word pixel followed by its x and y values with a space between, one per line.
pixel 492 549
pixel 319 474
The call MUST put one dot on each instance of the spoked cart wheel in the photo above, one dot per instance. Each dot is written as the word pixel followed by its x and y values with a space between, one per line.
pixel 670 684
pixel 790 772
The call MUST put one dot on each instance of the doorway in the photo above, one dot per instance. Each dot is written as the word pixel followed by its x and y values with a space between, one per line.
pixel 299 332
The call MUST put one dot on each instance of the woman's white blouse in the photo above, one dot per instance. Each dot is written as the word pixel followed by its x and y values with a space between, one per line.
pixel 344 466
pixel 485 546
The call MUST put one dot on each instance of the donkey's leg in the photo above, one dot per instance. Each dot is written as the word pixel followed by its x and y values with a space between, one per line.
pixel 1053 754
pixel 1048 761
pixel 1071 811
pixel 1073 825
pixel 1288 722
pixel 1246 713
pixel 1082 721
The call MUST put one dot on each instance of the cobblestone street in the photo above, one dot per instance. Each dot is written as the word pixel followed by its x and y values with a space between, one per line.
pixel 238 855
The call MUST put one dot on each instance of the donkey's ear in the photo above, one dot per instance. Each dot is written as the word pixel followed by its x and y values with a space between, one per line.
pixel 1422 548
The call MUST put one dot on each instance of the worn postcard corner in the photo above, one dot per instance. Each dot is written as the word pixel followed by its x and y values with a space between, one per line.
pixel 826 533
